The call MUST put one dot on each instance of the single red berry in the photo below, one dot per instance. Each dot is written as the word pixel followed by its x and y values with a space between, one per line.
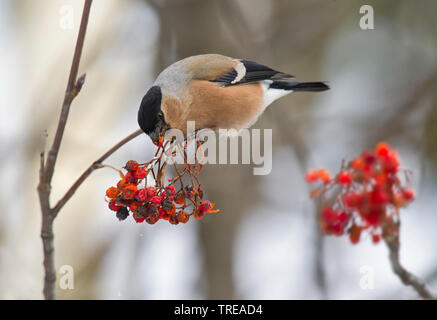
pixel 312 176
pixel 163 214
pixel 325 176
pixel 152 211
pixel 374 215
pixel 408 194
pixel 183 216
pixel 391 162
pixel 352 200
pixel 205 206
pixel 388 157
pixel 180 198
pixel 138 219
pixel 355 234
pixel 129 191
pixel 170 190
pixel 113 206
pixel 399 199
pixel 376 238
pixel 166 204
pixel 151 192
pixel 333 222
pixel 368 157
pixel 383 149
pixel 130 178
pixel 198 214
pixel 174 219
pixel 131 165
pixel 140 173
pixel 358 163
pixel 112 192
pixel 344 178
pixel 141 211
pixel 378 196
pixel 156 200
pixel 141 195
pixel 150 219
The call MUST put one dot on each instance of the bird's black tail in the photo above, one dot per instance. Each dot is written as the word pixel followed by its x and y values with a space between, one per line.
pixel 299 86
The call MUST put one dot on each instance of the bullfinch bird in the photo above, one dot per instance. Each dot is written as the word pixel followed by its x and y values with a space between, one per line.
pixel 215 91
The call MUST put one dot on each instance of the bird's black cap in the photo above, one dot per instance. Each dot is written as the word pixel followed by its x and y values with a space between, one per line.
pixel 150 108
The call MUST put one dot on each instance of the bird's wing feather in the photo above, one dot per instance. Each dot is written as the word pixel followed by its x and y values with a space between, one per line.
pixel 247 71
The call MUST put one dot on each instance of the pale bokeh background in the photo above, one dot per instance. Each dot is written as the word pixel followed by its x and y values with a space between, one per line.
pixel 264 244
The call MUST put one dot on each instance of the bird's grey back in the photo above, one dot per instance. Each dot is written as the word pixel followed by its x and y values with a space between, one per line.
pixel 176 77
pixel 173 79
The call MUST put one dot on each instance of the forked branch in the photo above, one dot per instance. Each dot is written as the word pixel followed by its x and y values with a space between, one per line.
pixel 47 166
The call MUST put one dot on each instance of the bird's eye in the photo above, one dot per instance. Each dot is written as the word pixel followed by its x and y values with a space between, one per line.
pixel 160 116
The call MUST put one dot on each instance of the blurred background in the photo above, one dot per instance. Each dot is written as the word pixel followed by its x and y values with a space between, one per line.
pixel 265 242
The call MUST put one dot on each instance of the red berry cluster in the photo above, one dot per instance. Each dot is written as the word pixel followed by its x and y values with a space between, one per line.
pixel 151 204
pixel 368 195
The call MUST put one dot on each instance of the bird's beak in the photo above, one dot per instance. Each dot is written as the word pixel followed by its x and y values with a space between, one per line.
pixel 159 141
pixel 159 134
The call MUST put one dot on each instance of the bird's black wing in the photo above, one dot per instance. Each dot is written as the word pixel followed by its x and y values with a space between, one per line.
pixel 250 72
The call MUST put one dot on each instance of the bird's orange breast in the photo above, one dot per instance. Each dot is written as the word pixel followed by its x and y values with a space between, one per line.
pixel 211 106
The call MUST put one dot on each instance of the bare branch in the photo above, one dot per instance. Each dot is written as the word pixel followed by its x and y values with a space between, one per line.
pixel 406 277
pixel 47 167
pixel 73 88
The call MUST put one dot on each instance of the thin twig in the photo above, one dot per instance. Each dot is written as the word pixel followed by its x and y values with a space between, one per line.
pixel 95 165
pixel 406 277
pixel 73 88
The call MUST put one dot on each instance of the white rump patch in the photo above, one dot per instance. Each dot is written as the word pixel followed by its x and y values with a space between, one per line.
pixel 271 95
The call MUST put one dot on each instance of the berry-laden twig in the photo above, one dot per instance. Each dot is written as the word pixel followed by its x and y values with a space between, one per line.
pixel 154 200
pixel 368 194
